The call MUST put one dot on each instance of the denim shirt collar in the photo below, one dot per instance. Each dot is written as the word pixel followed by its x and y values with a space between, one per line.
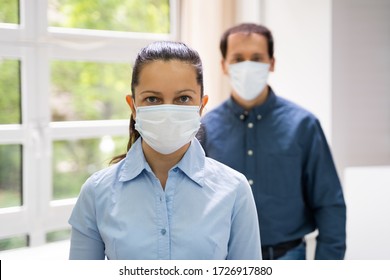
pixel 260 110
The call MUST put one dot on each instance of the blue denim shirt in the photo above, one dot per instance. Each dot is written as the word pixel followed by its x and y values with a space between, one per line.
pixel 207 211
pixel 282 151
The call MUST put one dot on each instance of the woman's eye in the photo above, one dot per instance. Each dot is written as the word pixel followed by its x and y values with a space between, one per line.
pixel 184 99
pixel 151 99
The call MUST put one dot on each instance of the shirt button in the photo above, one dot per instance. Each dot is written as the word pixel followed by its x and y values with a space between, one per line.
pixel 242 117
pixel 163 231
pixel 259 117
pixel 250 181
pixel 250 152
pixel 250 125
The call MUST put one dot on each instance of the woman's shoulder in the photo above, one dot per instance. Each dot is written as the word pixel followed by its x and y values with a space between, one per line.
pixel 103 178
pixel 219 174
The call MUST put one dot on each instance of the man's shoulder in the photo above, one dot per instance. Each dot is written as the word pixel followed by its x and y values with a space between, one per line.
pixel 217 112
pixel 291 110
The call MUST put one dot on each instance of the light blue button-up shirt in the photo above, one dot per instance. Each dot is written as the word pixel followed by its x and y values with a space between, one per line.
pixel 207 211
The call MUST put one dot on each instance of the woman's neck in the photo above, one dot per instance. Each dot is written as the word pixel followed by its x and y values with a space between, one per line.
pixel 160 163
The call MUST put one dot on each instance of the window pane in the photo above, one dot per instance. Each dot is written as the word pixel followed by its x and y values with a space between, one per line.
pixel 89 90
pixel 10 175
pixel 75 161
pixel 58 235
pixel 9 11
pixel 13 242
pixel 9 91
pixel 150 16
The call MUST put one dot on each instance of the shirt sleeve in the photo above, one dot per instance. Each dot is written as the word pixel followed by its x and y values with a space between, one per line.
pixel 244 242
pixel 86 242
pixel 325 197
pixel 83 247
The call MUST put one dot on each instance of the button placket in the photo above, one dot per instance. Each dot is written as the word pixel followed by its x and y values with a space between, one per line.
pixel 162 224
pixel 250 150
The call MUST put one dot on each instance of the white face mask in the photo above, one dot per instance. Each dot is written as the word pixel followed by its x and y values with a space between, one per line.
pixel 167 128
pixel 248 78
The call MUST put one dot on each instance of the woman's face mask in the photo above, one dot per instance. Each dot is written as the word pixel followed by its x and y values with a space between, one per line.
pixel 248 78
pixel 167 105
pixel 167 128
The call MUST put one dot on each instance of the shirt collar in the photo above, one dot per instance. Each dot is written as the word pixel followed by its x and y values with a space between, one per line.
pixel 260 110
pixel 134 162
pixel 192 164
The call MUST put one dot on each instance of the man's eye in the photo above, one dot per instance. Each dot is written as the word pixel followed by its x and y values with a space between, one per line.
pixel 237 60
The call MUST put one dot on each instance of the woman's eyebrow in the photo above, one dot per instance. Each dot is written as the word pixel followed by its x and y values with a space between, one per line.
pixel 150 91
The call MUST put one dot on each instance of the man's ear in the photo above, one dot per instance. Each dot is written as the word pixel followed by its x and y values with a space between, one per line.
pixel 224 66
pixel 272 65
pixel 130 101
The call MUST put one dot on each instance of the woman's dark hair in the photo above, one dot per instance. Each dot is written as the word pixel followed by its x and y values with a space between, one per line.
pixel 247 28
pixel 163 51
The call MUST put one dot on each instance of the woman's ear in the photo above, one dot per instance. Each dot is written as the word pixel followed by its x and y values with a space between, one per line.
pixel 205 99
pixel 130 101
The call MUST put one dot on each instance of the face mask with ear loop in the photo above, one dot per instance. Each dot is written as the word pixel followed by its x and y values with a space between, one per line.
pixel 248 78
pixel 167 128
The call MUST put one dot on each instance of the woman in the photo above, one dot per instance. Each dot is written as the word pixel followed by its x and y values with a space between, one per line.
pixel 164 199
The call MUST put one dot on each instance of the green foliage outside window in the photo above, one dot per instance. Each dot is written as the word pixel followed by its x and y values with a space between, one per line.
pixel 10 175
pixel 9 91
pixel 151 16
pixel 89 90
pixel 13 242
pixel 75 161
pixel 9 11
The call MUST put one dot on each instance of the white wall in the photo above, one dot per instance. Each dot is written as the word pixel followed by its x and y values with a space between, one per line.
pixel 302 35
pixel 367 194
pixel 361 82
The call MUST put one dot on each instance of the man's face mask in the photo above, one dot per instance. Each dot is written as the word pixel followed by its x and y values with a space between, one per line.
pixel 248 78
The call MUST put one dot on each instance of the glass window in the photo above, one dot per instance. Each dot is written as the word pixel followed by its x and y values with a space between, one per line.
pixel 10 175
pixel 9 11
pixel 89 90
pixel 13 242
pixel 10 91
pixel 75 161
pixel 149 16
pixel 58 235
pixel 75 89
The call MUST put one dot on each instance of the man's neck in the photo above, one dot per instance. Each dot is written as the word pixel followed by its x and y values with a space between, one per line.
pixel 249 104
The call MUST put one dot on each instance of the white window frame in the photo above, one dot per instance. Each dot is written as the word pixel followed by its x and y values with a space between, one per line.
pixel 35 45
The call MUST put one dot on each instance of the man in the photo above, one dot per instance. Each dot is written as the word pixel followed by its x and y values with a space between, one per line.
pixel 282 150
